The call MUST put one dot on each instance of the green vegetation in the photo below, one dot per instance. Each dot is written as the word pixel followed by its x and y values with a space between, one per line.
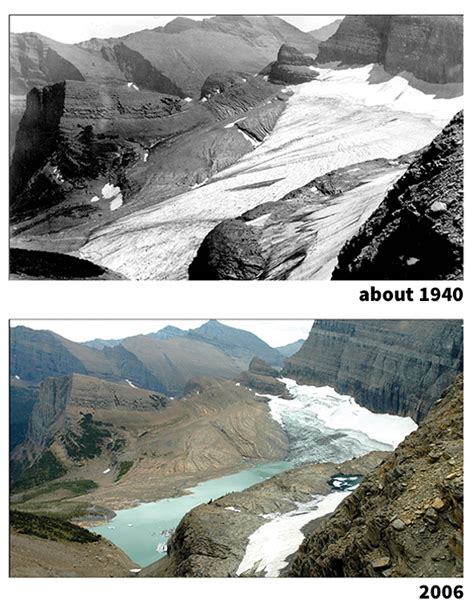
pixel 124 466
pixel 89 442
pixel 49 528
pixel 68 488
pixel 47 467
pixel 63 510
pixel 116 445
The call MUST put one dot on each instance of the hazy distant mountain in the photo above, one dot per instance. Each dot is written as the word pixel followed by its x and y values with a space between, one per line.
pixel 167 332
pixel 162 361
pixel 171 59
pixel 100 343
pixel 326 31
pixel 238 344
pixel 291 348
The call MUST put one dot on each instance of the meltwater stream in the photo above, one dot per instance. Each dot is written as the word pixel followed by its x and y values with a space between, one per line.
pixel 321 426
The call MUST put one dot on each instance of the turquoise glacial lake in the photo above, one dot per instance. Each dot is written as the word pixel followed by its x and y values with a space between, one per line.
pixel 142 531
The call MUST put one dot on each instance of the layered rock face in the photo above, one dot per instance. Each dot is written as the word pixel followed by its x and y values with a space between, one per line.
pixel 72 132
pixel 63 400
pixel 263 378
pixel 406 518
pixel 428 46
pixel 396 367
pixel 417 231
pixel 292 67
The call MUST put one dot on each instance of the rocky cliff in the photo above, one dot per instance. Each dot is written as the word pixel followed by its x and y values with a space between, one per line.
pixel 292 67
pixel 72 133
pixel 406 518
pixel 428 46
pixel 397 367
pixel 417 231
pixel 262 378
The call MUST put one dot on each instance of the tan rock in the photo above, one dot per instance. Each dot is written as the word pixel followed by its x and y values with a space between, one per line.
pixel 438 504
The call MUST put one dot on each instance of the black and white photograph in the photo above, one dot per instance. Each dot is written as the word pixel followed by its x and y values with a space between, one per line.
pixel 234 147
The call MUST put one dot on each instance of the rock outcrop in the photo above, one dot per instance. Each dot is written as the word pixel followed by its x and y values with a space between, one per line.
pixel 324 212
pixel 292 67
pixel 396 367
pixel 417 231
pixel 210 541
pixel 221 81
pixel 262 378
pixel 428 46
pixel 406 518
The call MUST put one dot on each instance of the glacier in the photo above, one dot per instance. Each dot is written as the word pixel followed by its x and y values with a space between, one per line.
pixel 346 116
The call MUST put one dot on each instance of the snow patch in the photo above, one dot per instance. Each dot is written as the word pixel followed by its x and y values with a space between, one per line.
pixel 57 174
pixel 94 199
pixel 106 471
pixel 116 203
pixel 109 191
pixel 231 508
pixel 17 377
pixel 250 139
pixel 412 261
pixel 131 384
pixel 145 156
pixel 199 184
pixel 188 99
pixel 273 542
pixel 132 85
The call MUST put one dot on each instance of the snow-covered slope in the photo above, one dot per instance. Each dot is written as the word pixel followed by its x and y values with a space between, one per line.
pixel 323 425
pixel 344 117
pixel 271 544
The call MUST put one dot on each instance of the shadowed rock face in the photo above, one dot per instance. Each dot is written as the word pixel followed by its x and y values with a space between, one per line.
pixel 417 231
pixel 428 46
pixel 139 70
pixel 230 251
pixel 406 518
pixel 395 367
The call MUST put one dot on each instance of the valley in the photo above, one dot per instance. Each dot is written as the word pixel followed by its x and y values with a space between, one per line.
pixel 210 166
pixel 199 482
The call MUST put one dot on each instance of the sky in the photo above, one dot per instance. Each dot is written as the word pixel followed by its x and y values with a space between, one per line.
pixel 276 333
pixel 78 28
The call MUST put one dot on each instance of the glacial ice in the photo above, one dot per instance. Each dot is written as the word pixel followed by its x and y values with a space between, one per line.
pixel 344 117
pixel 323 408
pixel 274 541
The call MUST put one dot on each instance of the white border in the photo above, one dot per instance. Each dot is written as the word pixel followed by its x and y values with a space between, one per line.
pixel 222 300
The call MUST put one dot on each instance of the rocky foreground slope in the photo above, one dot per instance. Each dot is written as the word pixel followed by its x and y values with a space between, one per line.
pixel 406 518
pixel 417 231
pixel 428 46
pixel 48 547
pixel 397 367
